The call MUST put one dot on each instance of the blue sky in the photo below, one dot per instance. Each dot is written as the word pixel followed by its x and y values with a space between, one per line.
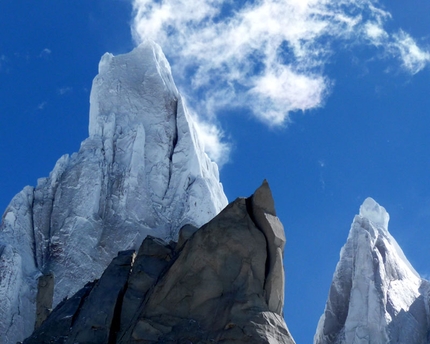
pixel 364 130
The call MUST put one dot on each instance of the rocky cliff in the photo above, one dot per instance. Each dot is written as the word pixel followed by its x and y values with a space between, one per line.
pixel 222 283
pixel 140 172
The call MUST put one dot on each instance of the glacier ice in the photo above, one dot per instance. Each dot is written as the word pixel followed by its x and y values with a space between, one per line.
pixel 376 296
pixel 141 171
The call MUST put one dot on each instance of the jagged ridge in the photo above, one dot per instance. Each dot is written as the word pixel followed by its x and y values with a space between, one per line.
pixel 212 286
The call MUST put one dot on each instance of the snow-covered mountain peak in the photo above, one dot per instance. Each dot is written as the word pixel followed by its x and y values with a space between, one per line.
pixel 371 210
pixel 129 85
pixel 142 171
pixel 376 296
pixel 373 218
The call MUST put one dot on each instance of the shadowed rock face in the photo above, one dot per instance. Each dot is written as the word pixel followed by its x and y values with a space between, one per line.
pixel 222 283
pixel 45 295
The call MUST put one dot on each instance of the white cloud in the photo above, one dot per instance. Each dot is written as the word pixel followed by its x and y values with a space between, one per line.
pixel 45 53
pixel 3 61
pixel 413 58
pixel 281 88
pixel 211 138
pixel 267 55
pixel 42 105
pixel 63 90
pixel 375 33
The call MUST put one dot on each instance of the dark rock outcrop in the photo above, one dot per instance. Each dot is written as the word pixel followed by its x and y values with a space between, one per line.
pixel 222 283
pixel 45 295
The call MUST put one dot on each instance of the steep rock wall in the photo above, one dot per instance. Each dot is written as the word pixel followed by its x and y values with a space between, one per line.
pixel 217 285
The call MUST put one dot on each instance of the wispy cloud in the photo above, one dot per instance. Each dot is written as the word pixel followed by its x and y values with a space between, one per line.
pixel 413 58
pixel 45 53
pixel 63 90
pixel 42 106
pixel 3 61
pixel 267 55
pixel 211 137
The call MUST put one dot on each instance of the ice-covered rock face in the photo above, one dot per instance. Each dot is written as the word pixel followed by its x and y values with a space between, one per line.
pixel 376 296
pixel 141 171
pixel 375 213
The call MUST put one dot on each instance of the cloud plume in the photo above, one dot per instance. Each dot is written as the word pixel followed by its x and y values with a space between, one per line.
pixel 267 55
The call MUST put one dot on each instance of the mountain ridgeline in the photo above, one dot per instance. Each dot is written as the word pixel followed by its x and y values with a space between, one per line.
pixel 131 240
pixel 221 283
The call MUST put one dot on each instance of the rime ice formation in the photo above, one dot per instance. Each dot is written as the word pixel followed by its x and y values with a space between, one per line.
pixel 376 296
pixel 141 171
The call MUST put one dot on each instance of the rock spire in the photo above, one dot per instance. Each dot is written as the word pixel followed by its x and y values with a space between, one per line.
pixel 376 296
pixel 141 172
pixel 222 283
